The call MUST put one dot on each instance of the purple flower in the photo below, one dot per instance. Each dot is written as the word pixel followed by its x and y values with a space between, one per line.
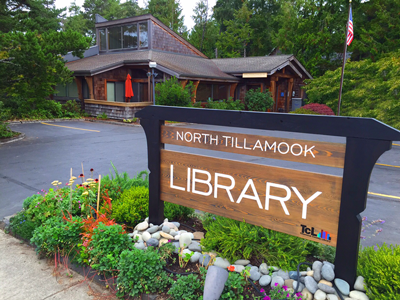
pixel 36 206
pixel 285 287
pixel 383 221
pixel 79 201
pixel 364 218
pixel 266 298
pixel 288 295
pixel 276 284
pixel 38 203
pixel 379 230
pixel 376 248
pixel 262 291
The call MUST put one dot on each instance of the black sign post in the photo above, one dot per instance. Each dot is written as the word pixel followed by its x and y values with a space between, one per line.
pixel 366 141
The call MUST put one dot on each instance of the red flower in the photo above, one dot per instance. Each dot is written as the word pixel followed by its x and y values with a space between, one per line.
pixel 231 268
pixel 81 175
pixel 96 180
pixel 91 170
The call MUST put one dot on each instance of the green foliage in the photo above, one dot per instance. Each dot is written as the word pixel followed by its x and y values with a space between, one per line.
pixel 29 200
pixel 5 132
pixel 234 286
pixel 102 116
pixel 380 267
pixel 187 287
pixel 302 111
pixel 177 212
pixel 171 93
pixel 321 252
pixel 258 101
pixel 108 242
pixel 132 206
pixel 141 271
pixel 229 104
pixel 57 235
pixel 22 226
pixel 71 109
pixel 370 89
pixel 235 240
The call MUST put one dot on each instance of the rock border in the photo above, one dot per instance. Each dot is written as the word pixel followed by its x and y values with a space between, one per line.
pixel 13 139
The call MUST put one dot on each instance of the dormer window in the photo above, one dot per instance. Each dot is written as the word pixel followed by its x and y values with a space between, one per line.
pixel 124 37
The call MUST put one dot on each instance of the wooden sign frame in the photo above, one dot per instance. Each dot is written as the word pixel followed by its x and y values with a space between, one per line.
pixel 366 141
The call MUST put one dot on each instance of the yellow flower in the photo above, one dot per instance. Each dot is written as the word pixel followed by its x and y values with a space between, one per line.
pixel 85 193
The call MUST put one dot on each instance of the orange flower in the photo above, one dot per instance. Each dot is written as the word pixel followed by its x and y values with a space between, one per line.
pixel 231 268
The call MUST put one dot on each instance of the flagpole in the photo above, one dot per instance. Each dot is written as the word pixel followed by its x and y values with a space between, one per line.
pixel 344 60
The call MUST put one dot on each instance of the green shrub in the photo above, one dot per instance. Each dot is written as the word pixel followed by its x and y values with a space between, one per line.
pixel 171 93
pixel 71 109
pixel 380 267
pixel 132 206
pixel 29 200
pixel 106 246
pixel 234 286
pixel 102 116
pixel 5 132
pixel 141 271
pixel 321 251
pixel 258 101
pixel 225 104
pixel 235 240
pixel 57 235
pixel 187 287
pixel 175 212
pixel 22 226
pixel 303 111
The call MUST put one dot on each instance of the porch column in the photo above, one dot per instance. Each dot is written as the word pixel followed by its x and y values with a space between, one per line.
pixel 183 83
pixel 289 97
pixel 232 90
pixel 89 81
pixel 195 85
pixel 274 79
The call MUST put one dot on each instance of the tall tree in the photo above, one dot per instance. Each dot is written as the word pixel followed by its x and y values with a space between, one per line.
pixel 75 20
pixel 224 10
pixel 169 12
pixel 234 41
pixel 200 19
pixel 207 44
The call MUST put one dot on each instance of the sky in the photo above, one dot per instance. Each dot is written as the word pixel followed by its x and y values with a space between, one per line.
pixel 187 8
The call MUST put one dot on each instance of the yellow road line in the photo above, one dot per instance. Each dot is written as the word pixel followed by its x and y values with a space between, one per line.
pixel 388 165
pixel 395 144
pixel 383 195
pixel 69 127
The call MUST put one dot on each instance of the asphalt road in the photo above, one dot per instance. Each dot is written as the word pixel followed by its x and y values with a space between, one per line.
pixel 50 150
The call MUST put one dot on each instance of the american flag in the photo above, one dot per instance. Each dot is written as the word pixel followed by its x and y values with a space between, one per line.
pixel 350 33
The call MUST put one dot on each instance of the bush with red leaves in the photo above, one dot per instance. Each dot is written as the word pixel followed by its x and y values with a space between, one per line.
pixel 319 108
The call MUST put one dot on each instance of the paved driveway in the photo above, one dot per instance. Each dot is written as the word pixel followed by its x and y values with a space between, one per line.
pixel 50 150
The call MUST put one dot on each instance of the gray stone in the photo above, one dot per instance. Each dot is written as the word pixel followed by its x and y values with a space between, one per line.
pixel 170 225
pixel 166 229
pixel 152 229
pixel 254 274
pixel 283 274
pixel 177 237
pixel 359 284
pixel 293 275
pixel 238 268
pixel 142 226
pixel 329 263
pixel 327 272
pixel 195 257
pixel 139 245
pixel 264 269
pixel 147 220
pixel 274 274
pixel 242 262
pixel 156 235
pixel 137 237
pixel 303 273
pixel 173 232
pixel 215 283
pixel 274 268
pixel 358 295
pixel 253 268
pixel 300 288
pixel 249 265
pixel 187 251
pixel 342 286
pixel 277 279
pixel 319 295
pixel 332 297
pixel 326 288
pixel 194 246
pixel 152 242
pixel 185 240
pixel 204 259
pixel 317 265
pixel 146 236
pixel 265 280
pixel 311 284
pixel 221 262
pixel 176 245
pixel 177 224
pixel 302 279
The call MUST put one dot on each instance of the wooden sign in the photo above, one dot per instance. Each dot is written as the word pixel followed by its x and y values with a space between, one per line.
pixel 302 204
pixel 313 206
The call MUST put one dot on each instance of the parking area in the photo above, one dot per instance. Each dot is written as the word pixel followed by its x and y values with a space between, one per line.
pixel 50 150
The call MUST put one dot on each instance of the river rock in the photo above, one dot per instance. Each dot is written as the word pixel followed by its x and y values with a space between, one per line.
pixel 311 284
pixel 317 265
pixel 306 295
pixel 283 274
pixel 138 237
pixel 303 273
pixel 152 229
pixel 170 225
pixel 152 242
pixel 325 282
pixel 254 274
pixel 177 237
pixel 238 268
pixel 300 288
pixel 142 226
pixel 146 236
pixel 342 286
pixel 277 279
pixel 359 284
pixel 293 275
pixel 264 269
pixel 187 251
pixel 204 259
pixel 319 295
pixel 139 245
pixel 242 262
pixel 265 280
pixel 326 288
pixel 195 246
pixel 289 283
pixel 162 242
pixel 173 232
pixel 176 245
pixel 198 235
pixel 166 229
pixel 358 295
pixel 328 263
pixel 177 224
pixel 195 257
pixel 166 235
pixel 156 235
pixel 221 262
pixel 327 272
pixel 185 240
pixel 310 273
pixel 215 283
pixel 332 297
pixel 274 269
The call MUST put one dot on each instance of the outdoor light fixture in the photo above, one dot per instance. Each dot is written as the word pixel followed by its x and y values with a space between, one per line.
pixel 153 65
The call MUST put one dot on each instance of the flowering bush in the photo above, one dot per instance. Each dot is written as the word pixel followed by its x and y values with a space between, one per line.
pixel 278 292
pixel 319 108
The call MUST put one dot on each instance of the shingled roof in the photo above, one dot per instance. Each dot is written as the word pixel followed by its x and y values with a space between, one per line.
pixel 179 65
pixel 256 64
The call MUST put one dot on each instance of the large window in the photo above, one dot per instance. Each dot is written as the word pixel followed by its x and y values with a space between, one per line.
pixel 115 91
pixel 132 36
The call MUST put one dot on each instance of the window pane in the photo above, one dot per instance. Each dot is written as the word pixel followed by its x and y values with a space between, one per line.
pixel 144 41
pixel 120 91
pixel 203 92
pixel 103 44
pixel 114 38
pixel 61 91
pixel 110 91
pixel 144 95
pixel 130 36
pixel 72 89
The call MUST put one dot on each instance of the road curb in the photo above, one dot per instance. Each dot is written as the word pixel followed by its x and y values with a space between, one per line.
pixel 13 139
pixel 41 121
